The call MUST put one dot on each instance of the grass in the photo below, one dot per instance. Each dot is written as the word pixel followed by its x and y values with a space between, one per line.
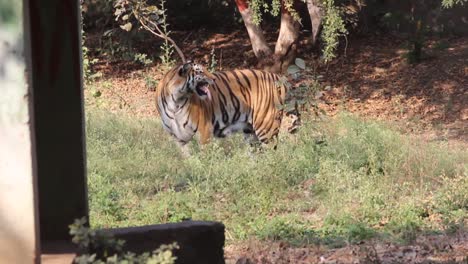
pixel 337 181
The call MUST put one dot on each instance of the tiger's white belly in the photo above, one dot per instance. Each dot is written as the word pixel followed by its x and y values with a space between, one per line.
pixel 234 128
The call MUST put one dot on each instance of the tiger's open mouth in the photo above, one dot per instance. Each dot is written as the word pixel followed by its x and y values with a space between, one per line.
pixel 203 90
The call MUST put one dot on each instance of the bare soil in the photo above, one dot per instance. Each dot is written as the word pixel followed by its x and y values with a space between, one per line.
pixel 426 249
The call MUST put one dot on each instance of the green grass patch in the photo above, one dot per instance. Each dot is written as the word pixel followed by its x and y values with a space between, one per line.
pixel 338 180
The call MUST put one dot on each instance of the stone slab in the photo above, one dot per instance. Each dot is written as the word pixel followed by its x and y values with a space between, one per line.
pixel 199 242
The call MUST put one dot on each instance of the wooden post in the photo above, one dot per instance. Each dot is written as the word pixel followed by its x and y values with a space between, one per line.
pixel 56 82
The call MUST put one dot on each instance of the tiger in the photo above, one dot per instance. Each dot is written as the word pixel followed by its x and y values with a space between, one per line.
pixel 191 99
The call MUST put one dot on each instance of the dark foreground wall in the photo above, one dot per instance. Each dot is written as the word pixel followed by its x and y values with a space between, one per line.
pixel 199 242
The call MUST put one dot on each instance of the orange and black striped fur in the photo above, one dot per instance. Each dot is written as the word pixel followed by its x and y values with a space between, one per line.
pixel 190 99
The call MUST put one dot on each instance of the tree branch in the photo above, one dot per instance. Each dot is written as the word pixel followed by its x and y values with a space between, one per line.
pixel 161 34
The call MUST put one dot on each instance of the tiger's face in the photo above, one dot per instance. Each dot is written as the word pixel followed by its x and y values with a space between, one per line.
pixel 195 79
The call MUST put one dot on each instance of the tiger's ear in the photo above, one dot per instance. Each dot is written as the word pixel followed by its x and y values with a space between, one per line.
pixel 185 68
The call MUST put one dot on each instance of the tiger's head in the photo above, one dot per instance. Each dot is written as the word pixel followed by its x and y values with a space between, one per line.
pixel 191 79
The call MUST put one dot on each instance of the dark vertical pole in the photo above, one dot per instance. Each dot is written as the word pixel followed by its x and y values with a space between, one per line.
pixel 27 59
pixel 58 108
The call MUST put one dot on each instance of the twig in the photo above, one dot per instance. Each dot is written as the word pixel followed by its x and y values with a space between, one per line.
pixel 142 21
pixel 346 45
pixel 179 51
pixel 187 37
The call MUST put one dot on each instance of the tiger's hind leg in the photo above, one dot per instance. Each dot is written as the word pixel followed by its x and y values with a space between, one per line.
pixel 291 121
pixel 268 132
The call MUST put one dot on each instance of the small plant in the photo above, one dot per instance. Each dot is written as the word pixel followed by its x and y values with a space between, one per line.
pixel 308 93
pixel 150 83
pixel 87 62
pixel 142 58
pixel 213 61
pixel 167 49
pixel 100 248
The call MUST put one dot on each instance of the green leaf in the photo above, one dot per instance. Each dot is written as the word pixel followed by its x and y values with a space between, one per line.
pixel 300 63
pixel 97 94
pixel 152 9
pixel 126 27
pixel 293 69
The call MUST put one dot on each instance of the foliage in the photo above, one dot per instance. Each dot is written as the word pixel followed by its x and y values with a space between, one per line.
pixel 308 91
pixel 97 14
pixel 143 59
pixel 151 18
pixel 167 48
pixel 333 29
pixel 416 22
pixel 87 62
pixel 10 12
pixel 336 179
pixel 452 3
pixel 100 248
pixel 262 6
pixel 213 61
pixel 333 21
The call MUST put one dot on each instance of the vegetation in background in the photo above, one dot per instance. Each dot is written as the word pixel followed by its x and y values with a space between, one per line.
pixel 167 48
pixel 152 19
pixel 98 247
pixel 419 19
pixel 336 20
pixel 340 179
pixel 452 3
pixel 261 6
pixel 213 61
pixel 10 12
pixel 87 61
pixel 333 29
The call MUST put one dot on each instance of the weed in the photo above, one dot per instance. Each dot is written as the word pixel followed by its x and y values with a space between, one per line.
pixel 143 59
pixel 213 61
pixel 151 83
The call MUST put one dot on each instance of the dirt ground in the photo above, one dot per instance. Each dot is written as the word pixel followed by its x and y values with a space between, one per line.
pixel 370 78
pixel 426 249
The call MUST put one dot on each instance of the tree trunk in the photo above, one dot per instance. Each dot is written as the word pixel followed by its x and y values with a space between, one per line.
pixel 316 15
pixel 259 44
pixel 286 45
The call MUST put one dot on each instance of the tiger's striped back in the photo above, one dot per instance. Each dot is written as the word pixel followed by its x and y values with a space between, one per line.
pixel 251 96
